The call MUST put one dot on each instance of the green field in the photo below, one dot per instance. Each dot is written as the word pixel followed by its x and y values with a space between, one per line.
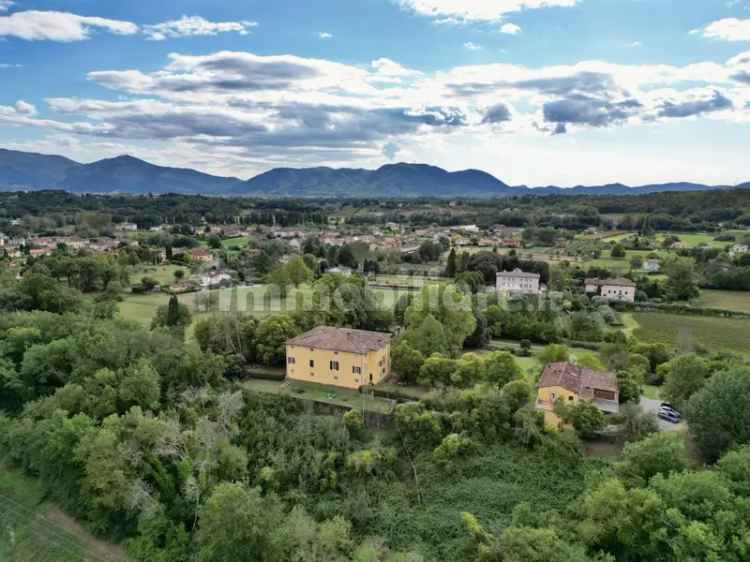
pixel 689 240
pixel 238 242
pixel 258 300
pixel 691 332
pixel 737 301
pixel 321 393
pixel 34 530
pixel 163 274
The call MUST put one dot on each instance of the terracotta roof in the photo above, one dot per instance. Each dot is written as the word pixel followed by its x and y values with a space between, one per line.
pixel 619 282
pixel 341 339
pixel 575 378
pixel 517 273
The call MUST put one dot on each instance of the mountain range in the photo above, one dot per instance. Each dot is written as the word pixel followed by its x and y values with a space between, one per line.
pixel 126 174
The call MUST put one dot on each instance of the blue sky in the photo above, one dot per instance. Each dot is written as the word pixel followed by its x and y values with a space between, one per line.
pixel 536 92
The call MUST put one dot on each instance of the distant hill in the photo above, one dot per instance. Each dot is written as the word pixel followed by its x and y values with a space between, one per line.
pixel 27 169
pixel 131 175
pixel 392 180
pixel 126 174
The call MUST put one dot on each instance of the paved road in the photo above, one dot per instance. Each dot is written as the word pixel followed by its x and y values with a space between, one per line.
pixel 650 405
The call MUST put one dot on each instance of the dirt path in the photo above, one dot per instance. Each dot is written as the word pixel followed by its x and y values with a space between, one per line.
pixel 102 550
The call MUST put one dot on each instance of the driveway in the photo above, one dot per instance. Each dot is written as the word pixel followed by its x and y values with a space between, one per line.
pixel 652 406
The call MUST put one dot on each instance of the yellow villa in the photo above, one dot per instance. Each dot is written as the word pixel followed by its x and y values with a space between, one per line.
pixel 571 383
pixel 339 357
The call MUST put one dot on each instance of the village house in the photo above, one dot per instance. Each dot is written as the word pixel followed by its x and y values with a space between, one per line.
pixel 340 270
pixel 652 266
pixel 215 279
pixel 573 383
pixel 127 226
pixel 738 250
pixel 611 289
pixel 339 357
pixel 517 282
pixel 200 255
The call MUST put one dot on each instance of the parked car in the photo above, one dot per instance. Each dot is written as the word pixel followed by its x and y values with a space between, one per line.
pixel 670 416
pixel 667 407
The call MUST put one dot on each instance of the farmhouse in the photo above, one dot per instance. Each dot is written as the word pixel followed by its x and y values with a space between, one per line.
pixel 339 357
pixel 612 289
pixel 201 255
pixel 518 282
pixel 652 266
pixel 572 383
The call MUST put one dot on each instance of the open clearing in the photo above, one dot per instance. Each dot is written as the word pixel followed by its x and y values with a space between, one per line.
pixel 692 332
pixel 34 530
pixel 736 301
pixel 321 393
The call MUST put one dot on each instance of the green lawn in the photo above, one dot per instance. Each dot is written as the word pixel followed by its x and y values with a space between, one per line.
pixel 737 301
pixel 164 274
pixel 320 393
pixel 689 332
pixel 238 242
pixel 141 308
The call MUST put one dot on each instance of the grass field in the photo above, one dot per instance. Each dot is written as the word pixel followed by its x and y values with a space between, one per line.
pixel 33 530
pixel 238 242
pixel 737 301
pixel 258 300
pixel 321 393
pixel 689 332
pixel 163 274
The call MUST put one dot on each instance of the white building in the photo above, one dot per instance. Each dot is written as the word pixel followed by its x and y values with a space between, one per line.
pixel 652 266
pixel 517 282
pixel 612 289
pixel 340 270
pixel 215 279
pixel 127 226
pixel 738 250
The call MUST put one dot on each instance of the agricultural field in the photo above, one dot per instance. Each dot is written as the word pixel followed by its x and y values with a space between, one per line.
pixel 692 332
pixel 736 301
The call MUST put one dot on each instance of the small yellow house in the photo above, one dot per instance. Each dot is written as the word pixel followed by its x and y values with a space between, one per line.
pixel 339 357
pixel 571 383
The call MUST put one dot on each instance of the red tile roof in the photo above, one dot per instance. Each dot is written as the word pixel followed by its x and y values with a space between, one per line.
pixel 341 339
pixel 576 379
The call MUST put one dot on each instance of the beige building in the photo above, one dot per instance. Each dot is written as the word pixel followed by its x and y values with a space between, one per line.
pixel 572 383
pixel 612 289
pixel 518 282
pixel 339 357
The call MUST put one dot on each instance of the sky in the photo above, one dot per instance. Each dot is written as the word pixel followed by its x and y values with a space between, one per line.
pixel 536 92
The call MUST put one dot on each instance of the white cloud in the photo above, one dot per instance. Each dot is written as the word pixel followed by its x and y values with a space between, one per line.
pixel 10 65
pixel 634 45
pixel 5 5
pixel 59 26
pixel 727 29
pixel 510 28
pixel 477 10
pixel 260 111
pixel 325 35
pixel 472 46
pixel 189 26
pixel 25 108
